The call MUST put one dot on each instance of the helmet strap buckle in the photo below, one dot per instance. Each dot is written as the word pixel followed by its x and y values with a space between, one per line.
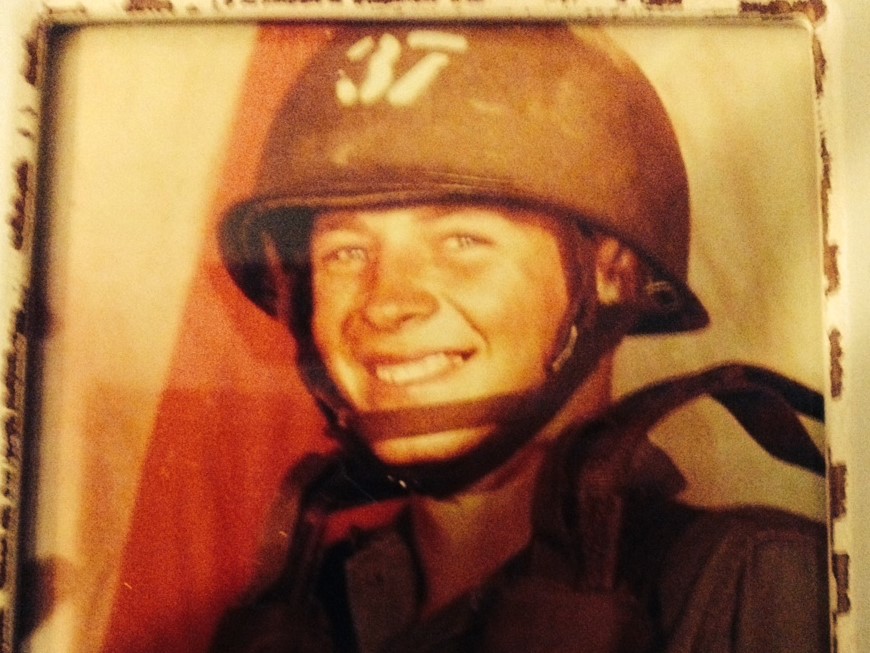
pixel 565 355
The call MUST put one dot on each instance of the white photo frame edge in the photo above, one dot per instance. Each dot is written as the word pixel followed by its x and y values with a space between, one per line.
pixel 843 94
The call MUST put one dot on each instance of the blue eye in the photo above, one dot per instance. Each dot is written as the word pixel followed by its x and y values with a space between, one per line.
pixel 460 242
pixel 346 254
pixel 349 257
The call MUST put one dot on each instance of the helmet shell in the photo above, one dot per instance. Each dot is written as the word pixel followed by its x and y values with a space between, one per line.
pixel 550 117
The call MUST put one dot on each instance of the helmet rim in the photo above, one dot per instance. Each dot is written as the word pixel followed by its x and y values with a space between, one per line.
pixel 675 308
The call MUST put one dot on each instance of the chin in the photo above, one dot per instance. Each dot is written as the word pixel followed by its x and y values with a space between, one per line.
pixel 429 447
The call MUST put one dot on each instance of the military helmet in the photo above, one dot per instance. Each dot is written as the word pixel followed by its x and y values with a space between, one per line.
pixel 549 117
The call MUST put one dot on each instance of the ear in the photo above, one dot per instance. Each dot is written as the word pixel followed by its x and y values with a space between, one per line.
pixel 617 273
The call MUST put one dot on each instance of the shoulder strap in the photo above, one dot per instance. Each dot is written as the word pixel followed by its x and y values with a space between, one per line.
pixel 592 469
pixel 317 487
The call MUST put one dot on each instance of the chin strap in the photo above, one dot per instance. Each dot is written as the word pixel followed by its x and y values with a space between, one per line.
pixel 378 426
pixel 515 419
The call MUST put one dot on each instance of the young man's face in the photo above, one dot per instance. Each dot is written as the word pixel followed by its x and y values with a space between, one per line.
pixel 434 304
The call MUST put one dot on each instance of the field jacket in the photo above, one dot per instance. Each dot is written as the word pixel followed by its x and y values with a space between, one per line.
pixel 615 564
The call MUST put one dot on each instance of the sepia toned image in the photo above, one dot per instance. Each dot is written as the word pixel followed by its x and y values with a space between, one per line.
pixel 388 337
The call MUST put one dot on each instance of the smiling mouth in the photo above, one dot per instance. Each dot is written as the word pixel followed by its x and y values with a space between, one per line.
pixel 420 369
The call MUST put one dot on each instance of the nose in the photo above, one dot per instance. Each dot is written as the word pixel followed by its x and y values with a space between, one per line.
pixel 397 295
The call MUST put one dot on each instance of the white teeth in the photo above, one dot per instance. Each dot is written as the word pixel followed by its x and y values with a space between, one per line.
pixel 417 370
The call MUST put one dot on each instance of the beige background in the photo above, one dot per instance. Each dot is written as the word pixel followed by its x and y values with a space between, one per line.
pixel 142 118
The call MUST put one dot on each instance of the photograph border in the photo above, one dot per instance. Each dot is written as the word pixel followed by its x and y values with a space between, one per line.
pixel 841 91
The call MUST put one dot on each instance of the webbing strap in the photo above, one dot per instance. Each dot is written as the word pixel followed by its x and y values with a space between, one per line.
pixel 593 469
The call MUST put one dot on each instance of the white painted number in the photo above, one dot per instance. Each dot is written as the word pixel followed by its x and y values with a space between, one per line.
pixel 380 81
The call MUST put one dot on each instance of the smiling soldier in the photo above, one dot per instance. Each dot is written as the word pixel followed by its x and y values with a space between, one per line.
pixel 459 225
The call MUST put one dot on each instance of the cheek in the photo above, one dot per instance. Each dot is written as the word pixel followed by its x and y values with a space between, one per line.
pixel 331 306
pixel 536 316
pixel 331 309
pixel 519 308
pixel 541 317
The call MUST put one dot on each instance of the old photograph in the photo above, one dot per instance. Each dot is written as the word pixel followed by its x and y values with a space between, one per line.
pixel 429 336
